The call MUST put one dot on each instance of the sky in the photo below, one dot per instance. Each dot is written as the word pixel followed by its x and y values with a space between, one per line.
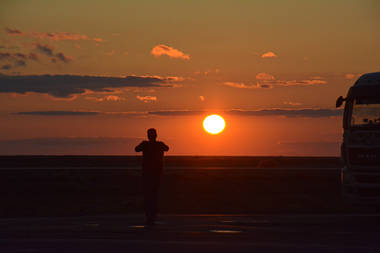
pixel 90 77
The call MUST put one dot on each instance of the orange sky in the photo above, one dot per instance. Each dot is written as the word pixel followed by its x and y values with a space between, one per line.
pixel 273 69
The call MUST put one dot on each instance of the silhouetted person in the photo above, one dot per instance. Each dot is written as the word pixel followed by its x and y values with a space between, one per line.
pixel 152 164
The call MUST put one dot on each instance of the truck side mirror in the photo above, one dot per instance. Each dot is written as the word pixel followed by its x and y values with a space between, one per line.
pixel 339 101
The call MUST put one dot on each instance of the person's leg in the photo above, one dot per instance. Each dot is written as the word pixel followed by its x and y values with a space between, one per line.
pixel 147 186
pixel 155 194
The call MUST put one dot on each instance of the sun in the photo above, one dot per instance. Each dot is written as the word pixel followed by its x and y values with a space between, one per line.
pixel 214 124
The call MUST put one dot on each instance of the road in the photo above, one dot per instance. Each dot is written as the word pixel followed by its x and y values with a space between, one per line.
pixel 194 233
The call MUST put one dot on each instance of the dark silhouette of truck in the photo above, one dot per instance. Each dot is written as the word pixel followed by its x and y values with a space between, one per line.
pixel 360 150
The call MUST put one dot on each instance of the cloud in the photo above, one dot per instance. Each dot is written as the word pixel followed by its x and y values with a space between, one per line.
pixel 63 58
pixel 106 98
pixel 59 36
pixel 169 51
pixel 350 76
pixel 266 80
pixel 18 56
pixel 307 113
pixel 59 113
pixel 147 99
pixel 312 113
pixel 16 59
pixel 49 51
pixel 292 103
pixel 20 63
pixel 265 76
pixel 33 56
pixel 14 32
pixel 246 86
pixel 207 72
pixel 45 49
pixel 176 113
pixel 268 55
pixel 65 113
pixel 301 83
pixel 66 86
pixel 6 67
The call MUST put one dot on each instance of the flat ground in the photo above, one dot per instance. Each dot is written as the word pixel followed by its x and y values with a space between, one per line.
pixel 258 210
pixel 105 191
pixel 194 233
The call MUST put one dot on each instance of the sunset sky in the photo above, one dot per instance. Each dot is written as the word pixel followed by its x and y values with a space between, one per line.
pixel 89 77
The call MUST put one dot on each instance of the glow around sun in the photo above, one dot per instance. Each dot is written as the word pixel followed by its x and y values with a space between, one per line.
pixel 214 124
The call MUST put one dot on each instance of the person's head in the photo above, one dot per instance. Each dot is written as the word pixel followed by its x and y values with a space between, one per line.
pixel 152 134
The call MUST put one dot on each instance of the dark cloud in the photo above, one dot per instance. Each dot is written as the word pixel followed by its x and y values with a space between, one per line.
pixel 65 86
pixel 13 32
pixel 6 56
pixel 18 56
pixel 63 58
pixel 49 51
pixel 20 63
pixel 59 113
pixel 45 49
pixel 6 67
pixel 33 56
pixel 16 59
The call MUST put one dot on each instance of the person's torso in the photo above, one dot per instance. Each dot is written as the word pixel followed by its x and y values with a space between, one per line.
pixel 153 154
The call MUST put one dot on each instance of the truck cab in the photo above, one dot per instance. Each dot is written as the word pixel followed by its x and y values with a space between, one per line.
pixel 360 150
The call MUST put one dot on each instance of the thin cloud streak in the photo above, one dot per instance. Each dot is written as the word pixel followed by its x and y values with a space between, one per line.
pixel 265 80
pixel 246 86
pixel 14 32
pixel 56 36
pixel 59 113
pixel 307 113
pixel 312 113
pixel 59 36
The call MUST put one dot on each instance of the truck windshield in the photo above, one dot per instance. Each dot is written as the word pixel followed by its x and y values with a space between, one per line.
pixel 366 112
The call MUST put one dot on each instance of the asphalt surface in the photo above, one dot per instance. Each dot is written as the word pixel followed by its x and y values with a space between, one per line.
pixel 194 233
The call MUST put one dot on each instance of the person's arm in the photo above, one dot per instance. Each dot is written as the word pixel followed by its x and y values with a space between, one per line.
pixel 164 147
pixel 139 147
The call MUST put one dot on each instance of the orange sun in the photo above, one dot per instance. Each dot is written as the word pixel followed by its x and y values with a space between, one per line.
pixel 214 124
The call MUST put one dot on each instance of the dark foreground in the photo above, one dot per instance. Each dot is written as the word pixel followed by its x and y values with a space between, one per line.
pixel 105 191
pixel 194 233
pixel 265 205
